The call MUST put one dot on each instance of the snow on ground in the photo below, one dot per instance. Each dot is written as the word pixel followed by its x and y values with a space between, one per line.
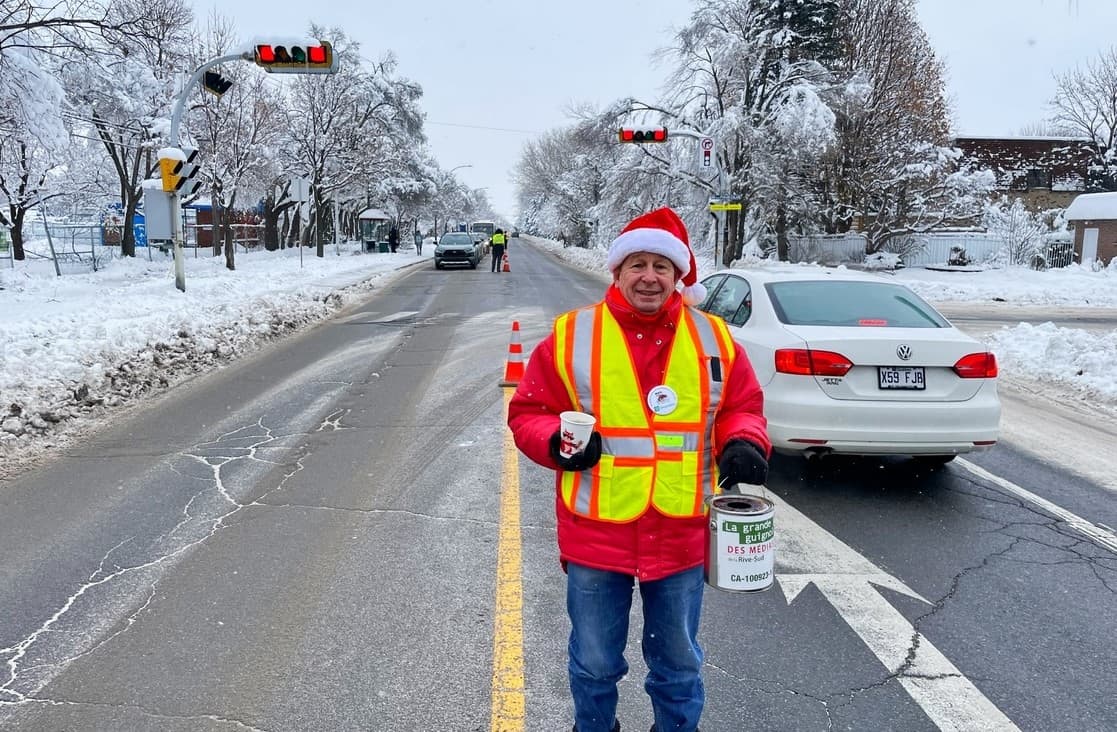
pixel 74 347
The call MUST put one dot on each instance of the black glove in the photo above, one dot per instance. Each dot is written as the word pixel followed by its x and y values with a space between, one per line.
pixel 579 461
pixel 741 462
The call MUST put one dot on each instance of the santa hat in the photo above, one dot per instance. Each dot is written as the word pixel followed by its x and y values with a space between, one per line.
pixel 660 232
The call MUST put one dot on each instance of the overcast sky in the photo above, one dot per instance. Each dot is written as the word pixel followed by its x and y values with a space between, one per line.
pixel 495 71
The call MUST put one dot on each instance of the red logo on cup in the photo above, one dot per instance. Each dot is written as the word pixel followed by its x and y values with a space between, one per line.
pixel 569 444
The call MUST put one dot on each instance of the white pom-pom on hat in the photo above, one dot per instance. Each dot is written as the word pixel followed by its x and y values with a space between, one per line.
pixel 660 232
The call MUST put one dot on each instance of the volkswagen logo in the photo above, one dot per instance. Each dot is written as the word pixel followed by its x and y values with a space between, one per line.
pixel 904 352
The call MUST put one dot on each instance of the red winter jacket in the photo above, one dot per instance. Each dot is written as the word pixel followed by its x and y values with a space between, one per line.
pixel 653 546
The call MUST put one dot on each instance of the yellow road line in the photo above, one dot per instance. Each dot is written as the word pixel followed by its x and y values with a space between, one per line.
pixel 508 622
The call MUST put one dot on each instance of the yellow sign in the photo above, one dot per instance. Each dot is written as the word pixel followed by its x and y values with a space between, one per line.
pixel 725 206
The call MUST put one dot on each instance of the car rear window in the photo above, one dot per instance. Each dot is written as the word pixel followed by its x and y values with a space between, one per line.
pixel 854 304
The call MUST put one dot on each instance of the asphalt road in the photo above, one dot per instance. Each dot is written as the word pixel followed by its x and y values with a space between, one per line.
pixel 333 534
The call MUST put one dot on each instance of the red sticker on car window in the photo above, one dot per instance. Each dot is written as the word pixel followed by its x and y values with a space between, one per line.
pixel 872 321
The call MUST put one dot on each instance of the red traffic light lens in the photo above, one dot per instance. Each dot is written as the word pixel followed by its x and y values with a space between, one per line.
pixel 659 135
pixel 626 135
pixel 265 54
pixel 317 54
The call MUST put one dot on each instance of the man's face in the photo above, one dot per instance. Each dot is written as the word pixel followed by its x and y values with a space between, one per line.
pixel 646 280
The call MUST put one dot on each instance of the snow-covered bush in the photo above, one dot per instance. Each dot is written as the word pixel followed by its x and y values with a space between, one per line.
pixel 883 261
pixel 1021 230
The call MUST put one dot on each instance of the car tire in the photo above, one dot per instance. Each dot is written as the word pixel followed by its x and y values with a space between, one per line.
pixel 437 264
pixel 473 265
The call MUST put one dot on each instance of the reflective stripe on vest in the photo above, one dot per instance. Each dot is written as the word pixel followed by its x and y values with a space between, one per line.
pixel 647 459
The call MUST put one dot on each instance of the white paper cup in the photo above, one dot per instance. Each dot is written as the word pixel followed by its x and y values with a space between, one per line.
pixel 577 428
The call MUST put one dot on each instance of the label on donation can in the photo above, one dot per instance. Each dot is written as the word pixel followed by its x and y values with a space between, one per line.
pixel 741 553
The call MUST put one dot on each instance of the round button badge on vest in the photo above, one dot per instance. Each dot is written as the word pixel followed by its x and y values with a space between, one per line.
pixel 662 400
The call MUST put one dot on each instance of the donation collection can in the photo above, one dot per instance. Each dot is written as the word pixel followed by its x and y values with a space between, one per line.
pixel 740 553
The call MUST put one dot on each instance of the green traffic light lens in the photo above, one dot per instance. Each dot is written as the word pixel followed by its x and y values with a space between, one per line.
pixel 298 55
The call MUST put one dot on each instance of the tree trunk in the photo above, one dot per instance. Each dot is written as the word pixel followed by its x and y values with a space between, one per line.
pixel 229 231
pixel 734 224
pixel 217 214
pixel 128 233
pixel 319 225
pixel 230 247
pixel 17 235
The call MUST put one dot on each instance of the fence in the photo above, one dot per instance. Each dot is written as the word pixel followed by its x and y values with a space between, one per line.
pixel 917 250
pixel 76 247
pixel 245 235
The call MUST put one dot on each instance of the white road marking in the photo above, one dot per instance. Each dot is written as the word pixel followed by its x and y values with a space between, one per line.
pixel 806 553
pixel 1095 533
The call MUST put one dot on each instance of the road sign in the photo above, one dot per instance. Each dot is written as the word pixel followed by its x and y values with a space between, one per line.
pixel 300 189
pixel 706 152
pixel 724 206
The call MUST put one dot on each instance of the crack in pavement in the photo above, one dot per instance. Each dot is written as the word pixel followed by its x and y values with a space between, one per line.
pixel 26 675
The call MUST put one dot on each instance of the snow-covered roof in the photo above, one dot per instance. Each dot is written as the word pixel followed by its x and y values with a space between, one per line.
pixel 1092 206
pixel 374 213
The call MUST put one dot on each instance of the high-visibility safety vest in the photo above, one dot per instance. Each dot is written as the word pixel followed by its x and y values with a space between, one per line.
pixel 647 459
pixel 498 239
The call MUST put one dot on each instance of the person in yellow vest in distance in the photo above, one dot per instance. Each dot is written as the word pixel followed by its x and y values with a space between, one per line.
pixel 680 415
pixel 499 241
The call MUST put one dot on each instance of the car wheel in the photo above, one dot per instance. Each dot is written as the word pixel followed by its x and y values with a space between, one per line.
pixel 473 265
pixel 437 264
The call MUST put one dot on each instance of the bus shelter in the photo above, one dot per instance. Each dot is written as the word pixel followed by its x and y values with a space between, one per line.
pixel 375 225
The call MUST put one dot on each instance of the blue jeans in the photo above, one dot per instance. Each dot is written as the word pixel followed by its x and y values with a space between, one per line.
pixel 598 603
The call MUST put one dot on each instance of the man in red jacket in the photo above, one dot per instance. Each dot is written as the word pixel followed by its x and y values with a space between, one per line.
pixel 679 415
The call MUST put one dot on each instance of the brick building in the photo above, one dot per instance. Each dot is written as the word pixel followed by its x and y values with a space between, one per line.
pixel 1046 172
pixel 1093 218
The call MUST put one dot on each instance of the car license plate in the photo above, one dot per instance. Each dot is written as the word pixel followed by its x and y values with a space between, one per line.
pixel 902 377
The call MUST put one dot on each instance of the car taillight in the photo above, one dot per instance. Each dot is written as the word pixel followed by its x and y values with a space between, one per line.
pixel 805 362
pixel 977 366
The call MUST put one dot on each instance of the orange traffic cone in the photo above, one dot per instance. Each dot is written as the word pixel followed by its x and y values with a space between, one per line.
pixel 504 264
pixel 514 367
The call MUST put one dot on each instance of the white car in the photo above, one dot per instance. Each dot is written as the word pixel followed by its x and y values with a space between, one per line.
pixel 855 364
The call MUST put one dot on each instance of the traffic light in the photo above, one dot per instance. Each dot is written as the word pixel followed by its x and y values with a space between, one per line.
pixel 179 171
pixel 215 83
pixel 296 58
pixel 643 134
pixel 167 168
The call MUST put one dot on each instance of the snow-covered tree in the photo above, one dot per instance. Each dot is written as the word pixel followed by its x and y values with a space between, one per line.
pixel 237 133
pixel 747 72
pixel 123 92
pixel 348 129
pixel 1085 104
pixel 35 40
pixel 892 126
pixel 1024 233
pixel 33 141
